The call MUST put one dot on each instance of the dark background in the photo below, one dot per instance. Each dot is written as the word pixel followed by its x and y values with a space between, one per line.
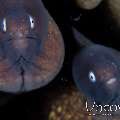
pixel 95 24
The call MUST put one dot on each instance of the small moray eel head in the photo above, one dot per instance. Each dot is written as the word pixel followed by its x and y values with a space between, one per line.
pixel 31 46
pixel 96 71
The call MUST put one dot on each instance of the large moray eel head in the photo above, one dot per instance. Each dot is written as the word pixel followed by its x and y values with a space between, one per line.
pixel 31 47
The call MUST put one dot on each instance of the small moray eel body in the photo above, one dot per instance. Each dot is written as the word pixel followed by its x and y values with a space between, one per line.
pixel 96 71
pixel 31 46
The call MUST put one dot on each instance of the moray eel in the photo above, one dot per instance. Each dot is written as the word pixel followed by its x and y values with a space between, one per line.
pixel 88 4
pixel 96 71
pixel 31 46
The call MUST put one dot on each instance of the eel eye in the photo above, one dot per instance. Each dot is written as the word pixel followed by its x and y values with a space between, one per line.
pixel 32 24
pixel 4 26
pixel 92 77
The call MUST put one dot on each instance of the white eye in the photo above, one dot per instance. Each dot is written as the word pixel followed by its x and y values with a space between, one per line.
pixel 32 24
pixel 92 77
pixel 4 26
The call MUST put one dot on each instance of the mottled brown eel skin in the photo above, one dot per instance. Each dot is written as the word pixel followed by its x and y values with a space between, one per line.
pixel 31 46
